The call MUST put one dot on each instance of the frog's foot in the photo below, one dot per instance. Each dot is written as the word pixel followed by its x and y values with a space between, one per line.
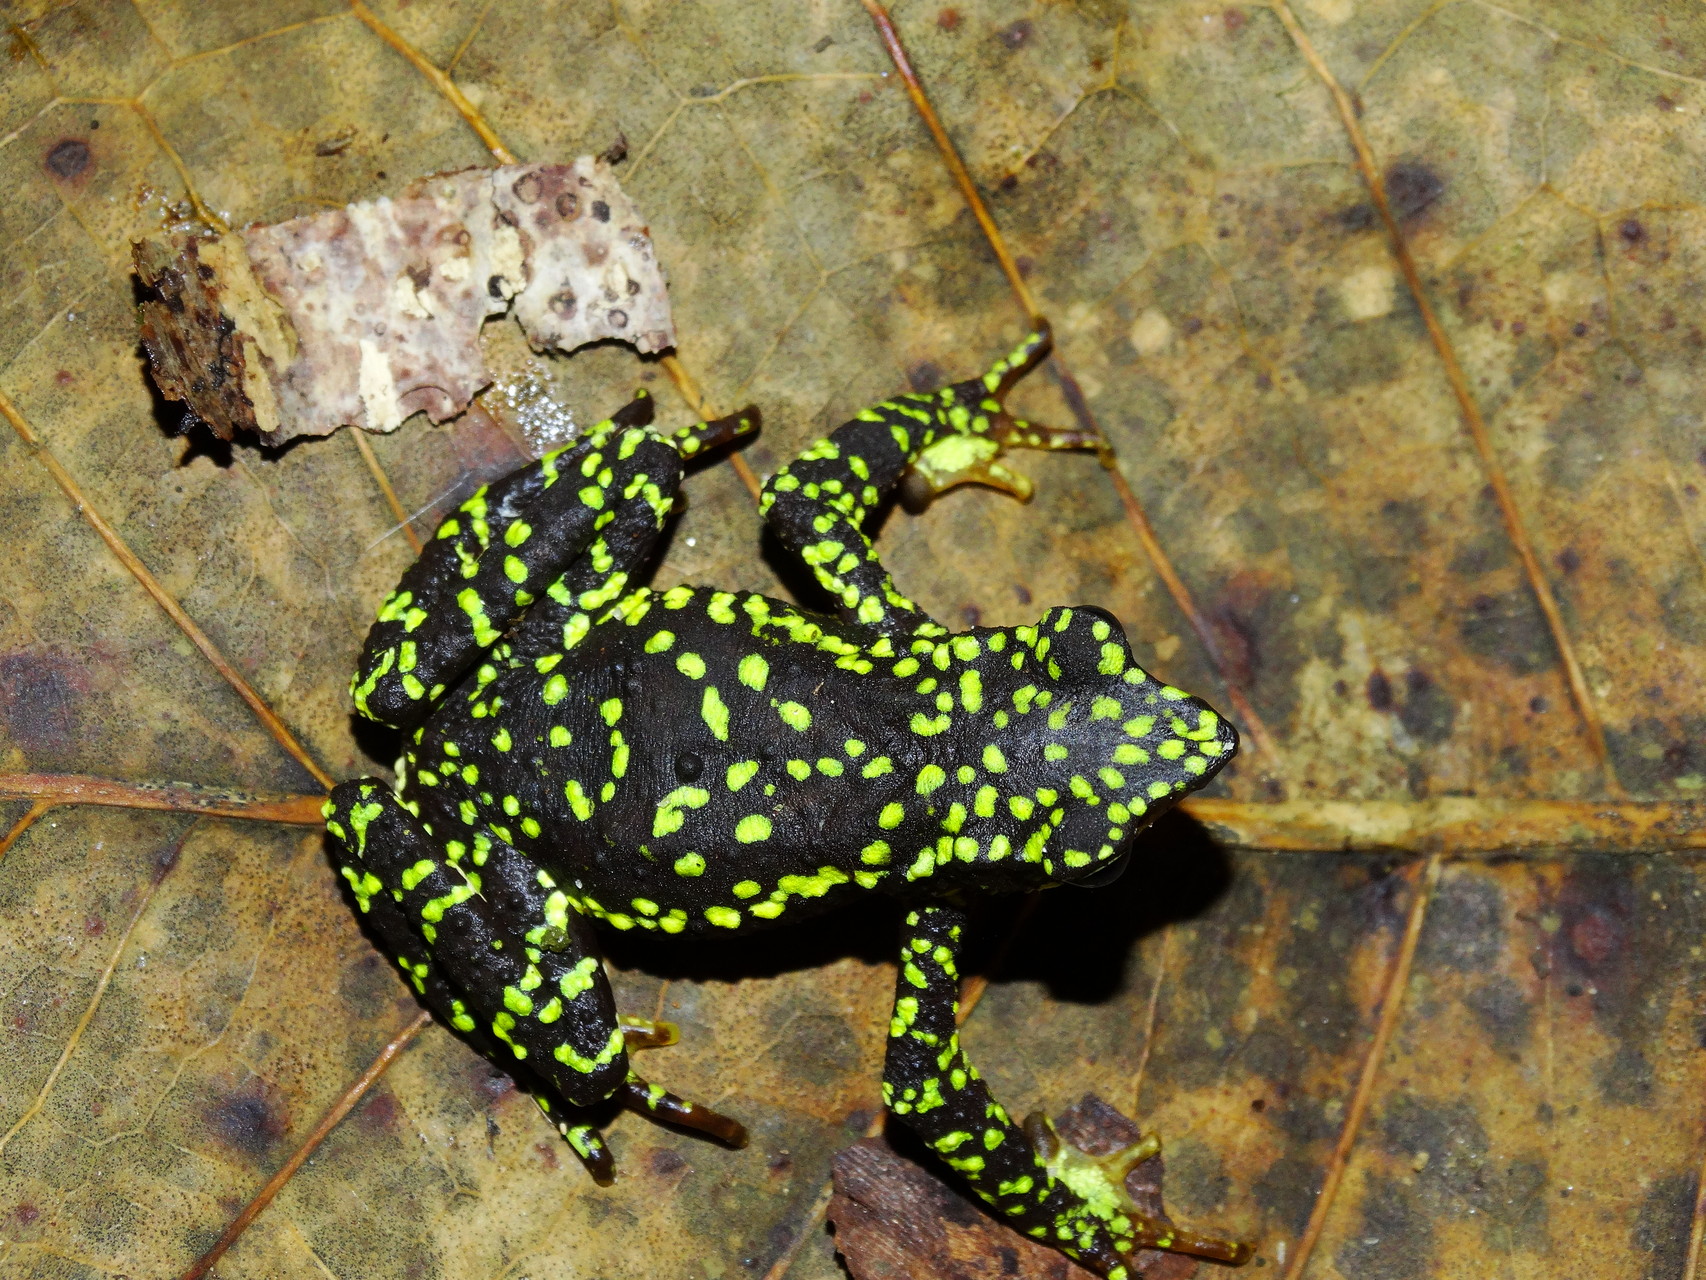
pixel 975 459
pixel 639 1095
pixel 647 1033
pixel 1100 1182
pixel 691 441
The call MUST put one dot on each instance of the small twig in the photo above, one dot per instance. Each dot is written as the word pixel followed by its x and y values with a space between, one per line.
pixel 1397 983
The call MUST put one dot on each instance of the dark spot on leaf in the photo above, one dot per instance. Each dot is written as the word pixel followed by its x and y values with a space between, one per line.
pixel 1579 328
pixel 600 211
pixel 688 766
pixel 1395 1239
pixel 1466 932
pixel 1428 712
pixel 1663 1225
pixel 1504 1013
pixel 1508 629
pixel 1287 1190
pixel 1596 936
pixel 1569 560
pixel 1016 35
pixel 495 286
pixel 949 20
pixel 247 1120
pixel 1380 691
pixel 1411 188
pixel 68 158
pixel 379 1111
pixel 489 1083
pixel 1234 20
pixel 1632 231
pixel 664 1162
pixel 528 188
pixel 568 205
pixel 618 319
pixel 563 303
pixel 39 693
pixel 1359 217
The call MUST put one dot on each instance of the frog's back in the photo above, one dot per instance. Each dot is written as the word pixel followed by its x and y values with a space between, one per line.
pixel 699 760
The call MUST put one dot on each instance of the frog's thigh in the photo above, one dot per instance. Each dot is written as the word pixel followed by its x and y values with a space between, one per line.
pixel 551 1009
pixel 931 1087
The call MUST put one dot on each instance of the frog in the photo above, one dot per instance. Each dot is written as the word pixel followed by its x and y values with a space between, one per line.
pixel 584 751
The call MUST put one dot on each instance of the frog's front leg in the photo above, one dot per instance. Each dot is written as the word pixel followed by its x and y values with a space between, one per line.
pixel 818 503
pixel 933 1089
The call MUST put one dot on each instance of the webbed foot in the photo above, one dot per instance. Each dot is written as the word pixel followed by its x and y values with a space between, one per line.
pixel 1100 1181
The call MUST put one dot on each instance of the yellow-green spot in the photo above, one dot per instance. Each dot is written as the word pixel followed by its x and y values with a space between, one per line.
pixel 715 713
pixel 723 917
pixel 752 828
pixel 690 864
pixel 753 672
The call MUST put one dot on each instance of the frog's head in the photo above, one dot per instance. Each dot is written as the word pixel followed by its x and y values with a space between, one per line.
pixel 1115 745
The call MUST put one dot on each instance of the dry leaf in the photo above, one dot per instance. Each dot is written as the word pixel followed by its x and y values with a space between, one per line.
pixel 1180 192
pixel 366 314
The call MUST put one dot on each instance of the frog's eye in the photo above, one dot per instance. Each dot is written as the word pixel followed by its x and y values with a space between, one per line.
pixel 1083 643
pixel 688 766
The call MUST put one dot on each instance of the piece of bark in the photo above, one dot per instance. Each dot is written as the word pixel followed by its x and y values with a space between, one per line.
pixel 896 1221
pixel 366 314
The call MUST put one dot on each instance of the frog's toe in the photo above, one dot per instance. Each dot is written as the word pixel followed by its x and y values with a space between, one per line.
pixel 648 1033
pixel 587 1142
pixel 639 1095
pixel 1016 433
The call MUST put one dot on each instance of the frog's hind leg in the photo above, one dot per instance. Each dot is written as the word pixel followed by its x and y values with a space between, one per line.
pixel 382 914
pixel 543 995
pixel 934 1090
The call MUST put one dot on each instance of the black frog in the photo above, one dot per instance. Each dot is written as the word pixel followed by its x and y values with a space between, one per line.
pixel 693 761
